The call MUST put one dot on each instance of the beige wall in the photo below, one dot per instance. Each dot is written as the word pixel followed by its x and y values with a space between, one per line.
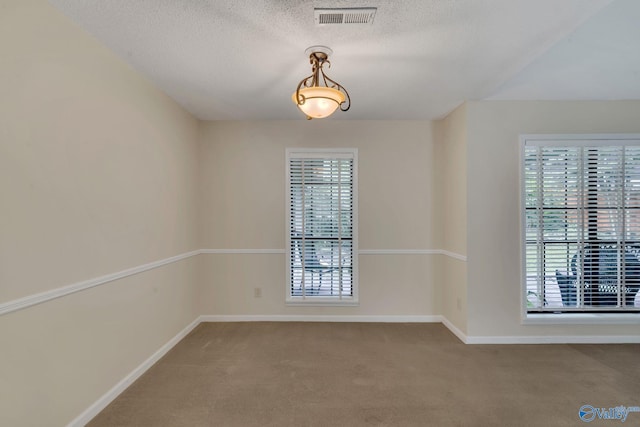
pixel 450 221
pixel 243 207
pixel 97 174
pixel 493 128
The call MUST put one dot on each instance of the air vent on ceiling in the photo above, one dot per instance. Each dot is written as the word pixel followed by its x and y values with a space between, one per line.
pixel 342 16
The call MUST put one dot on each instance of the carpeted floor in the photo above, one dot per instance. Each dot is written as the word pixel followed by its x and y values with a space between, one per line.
pixel 373 374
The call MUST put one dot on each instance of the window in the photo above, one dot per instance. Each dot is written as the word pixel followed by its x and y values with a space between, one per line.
pixel 322 242
pixel 581 214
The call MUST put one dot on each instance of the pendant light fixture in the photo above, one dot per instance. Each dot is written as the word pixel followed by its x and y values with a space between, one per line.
pixel 318 96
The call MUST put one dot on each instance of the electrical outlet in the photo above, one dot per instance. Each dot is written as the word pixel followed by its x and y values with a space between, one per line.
pixel 459 303
pixel 257 292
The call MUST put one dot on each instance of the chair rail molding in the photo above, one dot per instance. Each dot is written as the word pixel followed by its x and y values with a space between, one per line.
pixel 39 298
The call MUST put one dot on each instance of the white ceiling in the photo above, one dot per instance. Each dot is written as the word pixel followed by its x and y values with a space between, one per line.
pixel 241 59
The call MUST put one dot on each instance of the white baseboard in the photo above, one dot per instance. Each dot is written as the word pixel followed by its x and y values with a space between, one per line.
pixel 322 318
pixel 109 396
pixel 541 339
pixel 558 339
pixel 457 332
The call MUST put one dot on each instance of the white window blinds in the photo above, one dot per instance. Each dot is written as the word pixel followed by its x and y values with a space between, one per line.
pixel 582 224
pixel 321 241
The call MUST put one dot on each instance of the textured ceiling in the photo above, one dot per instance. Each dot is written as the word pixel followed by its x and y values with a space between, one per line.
pixel 600 60
pixel 240 59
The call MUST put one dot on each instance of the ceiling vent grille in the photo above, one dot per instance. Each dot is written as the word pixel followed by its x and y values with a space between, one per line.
pixel 342 16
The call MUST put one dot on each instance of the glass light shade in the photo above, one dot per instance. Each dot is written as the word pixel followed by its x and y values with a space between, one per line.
pixel 319 101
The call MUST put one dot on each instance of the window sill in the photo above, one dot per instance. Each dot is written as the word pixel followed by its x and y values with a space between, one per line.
pixel 582 319
pixel 322 302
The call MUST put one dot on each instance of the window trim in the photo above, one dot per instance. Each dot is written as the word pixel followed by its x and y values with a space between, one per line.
pixel 351 153
pixel 542 318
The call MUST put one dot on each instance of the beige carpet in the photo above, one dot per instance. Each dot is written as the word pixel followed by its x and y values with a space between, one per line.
pixel 371 374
